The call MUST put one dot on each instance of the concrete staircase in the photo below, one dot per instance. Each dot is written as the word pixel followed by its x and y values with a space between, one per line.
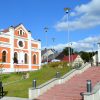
pixel 72 89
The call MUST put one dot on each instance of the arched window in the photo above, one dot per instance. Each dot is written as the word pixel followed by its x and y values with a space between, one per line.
pixel 34 59
pixel 15 57
pixel 4 56
pixel 21 32
pixel 25 59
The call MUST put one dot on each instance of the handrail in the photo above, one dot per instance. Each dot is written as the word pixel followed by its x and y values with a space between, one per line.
pixel 64 76
pixel 46 83
pixel 82 66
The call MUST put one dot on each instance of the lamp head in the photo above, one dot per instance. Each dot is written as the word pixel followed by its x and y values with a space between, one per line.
pixel 66 10
pixel 45 29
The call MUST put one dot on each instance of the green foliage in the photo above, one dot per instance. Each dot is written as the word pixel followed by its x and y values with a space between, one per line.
pixel 66 51
pixel 86 56
pixel 56 64
pixel 11 77
pixel 1 70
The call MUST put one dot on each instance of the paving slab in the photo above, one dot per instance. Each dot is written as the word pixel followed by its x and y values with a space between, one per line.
pixel 72 89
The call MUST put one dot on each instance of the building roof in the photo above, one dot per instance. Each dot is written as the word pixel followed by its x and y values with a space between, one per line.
pixel 60 56
pixel 43 51
pixel 5 30
pixel 46 50
pixel 72 58
pixel 50 57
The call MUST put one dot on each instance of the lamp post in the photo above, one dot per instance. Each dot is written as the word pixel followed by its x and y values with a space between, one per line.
pixel 46 30
pixel 67 13
pixel 53 39
pixel 71 52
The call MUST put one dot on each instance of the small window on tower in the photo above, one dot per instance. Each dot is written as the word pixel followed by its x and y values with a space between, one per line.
pixel 20 32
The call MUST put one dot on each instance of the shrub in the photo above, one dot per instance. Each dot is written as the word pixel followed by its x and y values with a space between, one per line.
pixel 56 64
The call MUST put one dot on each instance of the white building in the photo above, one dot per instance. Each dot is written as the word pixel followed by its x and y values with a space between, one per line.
pixel 96 57
pixel 18 50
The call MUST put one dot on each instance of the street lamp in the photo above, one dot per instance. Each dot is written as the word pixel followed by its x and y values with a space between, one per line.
pixel 71 51
pixel 53 39
pixel 67 13
pixel 46 30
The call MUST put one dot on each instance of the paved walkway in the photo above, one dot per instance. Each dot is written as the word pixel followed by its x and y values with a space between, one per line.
pixel 14 98
pixel 71 89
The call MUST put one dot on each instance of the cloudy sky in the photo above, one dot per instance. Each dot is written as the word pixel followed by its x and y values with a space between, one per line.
pixel 84 21
pixel 83 18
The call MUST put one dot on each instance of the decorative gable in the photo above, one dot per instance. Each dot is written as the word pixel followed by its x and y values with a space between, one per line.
pixel 21 31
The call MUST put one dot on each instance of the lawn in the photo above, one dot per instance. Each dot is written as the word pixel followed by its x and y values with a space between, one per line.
pixel 20 88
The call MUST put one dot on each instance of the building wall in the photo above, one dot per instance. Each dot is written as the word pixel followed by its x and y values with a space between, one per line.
pixel 47 53
pixel 18 40
pixel 95 59
pixel 98 52
pixel 78 61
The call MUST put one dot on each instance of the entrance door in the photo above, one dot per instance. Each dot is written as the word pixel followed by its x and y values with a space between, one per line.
pixel 21 57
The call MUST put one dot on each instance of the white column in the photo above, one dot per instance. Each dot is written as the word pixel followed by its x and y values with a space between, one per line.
pixel 11 29
pixel 21 57
pixel 39 54
pixel 29 49
pixel 98 52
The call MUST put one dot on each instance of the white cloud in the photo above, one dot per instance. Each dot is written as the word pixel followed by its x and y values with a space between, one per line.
pixel 84 16
pixel 87 44
pixel 91 40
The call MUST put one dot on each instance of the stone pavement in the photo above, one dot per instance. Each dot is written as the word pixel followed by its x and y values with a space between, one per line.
pixel 14 98
pixel 72 89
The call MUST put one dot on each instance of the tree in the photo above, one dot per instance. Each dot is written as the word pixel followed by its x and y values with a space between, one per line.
pixel 66 51
pixel 86 56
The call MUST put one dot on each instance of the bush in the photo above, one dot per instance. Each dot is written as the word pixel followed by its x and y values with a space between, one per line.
pixel 56 64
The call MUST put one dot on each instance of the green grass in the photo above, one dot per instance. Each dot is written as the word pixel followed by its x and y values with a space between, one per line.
pixel 20 89
pixel 11 77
